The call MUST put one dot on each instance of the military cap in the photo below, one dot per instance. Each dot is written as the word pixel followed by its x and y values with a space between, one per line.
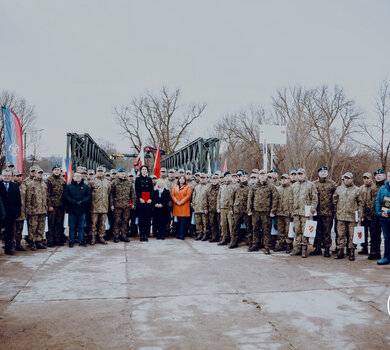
pixel 189 172
pixel 379 171
pixel 9 164
pixel 197 173
pixel 202 175
pixel 284 176
pixel 154 176
pixel 293 171
pixel 107 175
pixel 113 171
pixel 130 175
pixel 181 170
pixel 256 171
pixel 348 175
pixel 324 167
pixel 33 168
pixel 234 174
pixel 261 172
pixel 274 170
pixel 121 170
pixel 367 175
pixel 301 170
pixel 218 172
pixel 163 169
pixel 79 169
pixel 226 173
pixel 38 169
pixel 17 173
pixel 171 171
pixel 215 176
pixel 100 168
pixel 91 172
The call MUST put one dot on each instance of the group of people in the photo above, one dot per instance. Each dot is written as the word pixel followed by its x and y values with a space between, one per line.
pixel 227 208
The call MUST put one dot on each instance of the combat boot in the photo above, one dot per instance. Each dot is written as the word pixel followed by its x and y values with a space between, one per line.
pixel 304 251
pixel 340 254
pixel 33 246
pixel 40 245
pixel 233 244
pixel 335 251
pixel 253 248
pixel 20 248
pixel 374 256
pixel 214 240
pixel 316 251
pixel 288 248
pixel 352 254
pixel 124 239
pixel 279 247
pixel 363 251
pixel 198 237
pixel 93 240
pixel 116 239
pixel 222 242
pixel 205 238
pixel 296 251
pixel 267 251
pixel 327 253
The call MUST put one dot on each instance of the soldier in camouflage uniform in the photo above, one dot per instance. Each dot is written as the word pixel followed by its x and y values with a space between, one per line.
pixel 55 201
pixel 293 176
pixel 31 175
pixel 91 175
pixel 211 199
pixel 132 230
pixel 262 205
pixel 36 208
pixel 19 222
pixel 368 192
pixel 305 194
pixel 284 215
pixel 224 207
pixel 100 190
pixel 163 174
pixel 325 188
pixel 199 203
pixel 235 178
pixel 346 202
pixel 239 208
pixel 122 198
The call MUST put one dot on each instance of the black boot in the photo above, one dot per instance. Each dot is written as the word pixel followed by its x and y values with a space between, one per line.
pixel 327 253
pixel 316 251
pixel 374 256
pixel 352 255
pixel 267 251
pixel 233 244
pixel 253 248
pixel 340 254
pixel 198 237
pixel 364 250
pixel 304 251
pixel 296 251
pixel 288 248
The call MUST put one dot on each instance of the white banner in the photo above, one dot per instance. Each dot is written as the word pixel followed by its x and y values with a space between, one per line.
pixel 310 228
pixel 275 134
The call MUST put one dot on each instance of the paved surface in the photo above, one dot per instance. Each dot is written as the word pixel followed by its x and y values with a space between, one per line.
pixel 190 295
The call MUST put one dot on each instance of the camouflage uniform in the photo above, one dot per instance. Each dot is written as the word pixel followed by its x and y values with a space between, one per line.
pixel 371 222
pixel 55 199
pixel 36 208
pixel 262 201
pixel 325 212
pixel 211 199
pixel 239 208
pixel 100 190
pixel 346 202
pixel 224 205
pixel 199 203
pixel 19 222
pixel 283 215
pixel 122 192
pixel 305 193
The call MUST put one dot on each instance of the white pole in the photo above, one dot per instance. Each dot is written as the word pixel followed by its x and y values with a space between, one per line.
pixel 265 156
pixel 272 156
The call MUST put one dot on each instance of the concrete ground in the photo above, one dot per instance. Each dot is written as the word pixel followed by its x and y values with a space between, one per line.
pixel 188 294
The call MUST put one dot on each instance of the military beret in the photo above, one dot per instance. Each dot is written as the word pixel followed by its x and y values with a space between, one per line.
pixel 273 170
pixel 240 172
pixel 17 173
pixel 301 170
pixel 226 173
pixel 121 170
pixel 285 176
pixel 55 166
pixel 100 168
pixel 367 175
pixel 379 171
pixel 91 172
pixel 348 175
pixel 9 164
pixel 244 172
pixel 324 167
pixel 293 171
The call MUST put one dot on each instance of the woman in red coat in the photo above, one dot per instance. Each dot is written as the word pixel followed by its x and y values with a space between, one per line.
pixel 181 196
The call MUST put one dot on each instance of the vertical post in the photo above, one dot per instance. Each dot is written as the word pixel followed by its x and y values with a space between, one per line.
pixel 272 156
pixel 265 156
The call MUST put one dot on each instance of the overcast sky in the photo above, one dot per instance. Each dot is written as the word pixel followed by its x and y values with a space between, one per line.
pixel 76 60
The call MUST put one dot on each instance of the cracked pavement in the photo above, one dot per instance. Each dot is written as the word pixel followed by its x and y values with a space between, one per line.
pixel 190 294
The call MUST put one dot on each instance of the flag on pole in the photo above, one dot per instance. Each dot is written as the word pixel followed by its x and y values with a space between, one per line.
pixel 69 171
pixel 265 156
pixel 63 166
pixel 157 164
pixel 225 168
pixel 13 143
pixel 216 166
pixel 140 160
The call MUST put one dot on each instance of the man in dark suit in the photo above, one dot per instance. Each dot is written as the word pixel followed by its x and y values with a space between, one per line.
pixel 9 192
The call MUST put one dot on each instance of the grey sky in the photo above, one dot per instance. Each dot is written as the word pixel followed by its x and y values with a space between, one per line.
pixel 76 60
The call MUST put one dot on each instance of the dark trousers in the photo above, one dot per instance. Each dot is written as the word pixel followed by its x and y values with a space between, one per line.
pixel 323 234
pixel 144 227
pixel 56 225
pixel 159 226
pixel 374 227
pixel 9 234
pixel 76 223
pixel 386 235
pixel 182 226
pixel 132 229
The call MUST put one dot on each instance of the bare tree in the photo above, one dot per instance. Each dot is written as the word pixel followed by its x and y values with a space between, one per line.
pixel 378 133
pixel 24 111
pixel 157 119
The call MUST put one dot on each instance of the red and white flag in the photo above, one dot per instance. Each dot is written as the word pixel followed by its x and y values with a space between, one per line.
pixel 225 168
pixel 157 164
